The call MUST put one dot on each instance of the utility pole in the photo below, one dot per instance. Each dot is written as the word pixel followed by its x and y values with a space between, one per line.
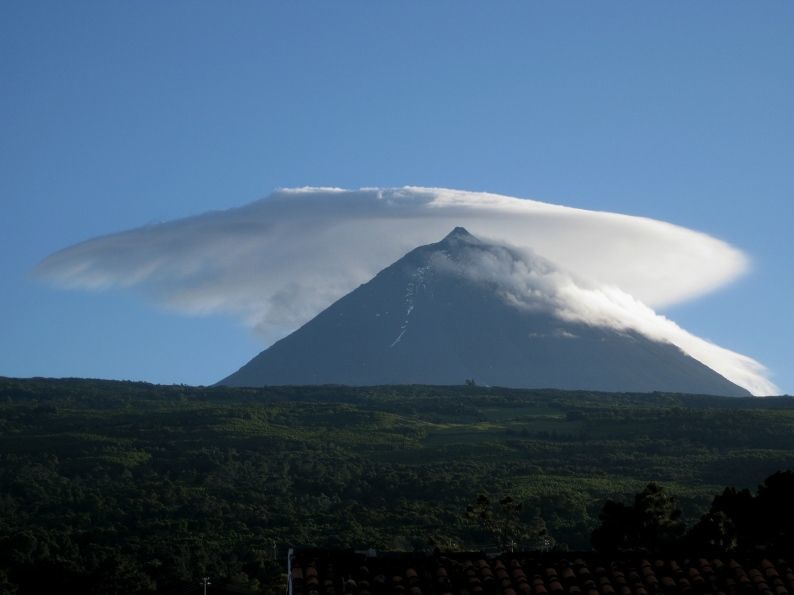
pixel 205 581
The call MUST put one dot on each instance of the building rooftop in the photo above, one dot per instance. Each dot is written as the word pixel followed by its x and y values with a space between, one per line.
pixel 334 573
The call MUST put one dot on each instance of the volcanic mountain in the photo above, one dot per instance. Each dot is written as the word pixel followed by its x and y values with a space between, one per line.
pixel 465 309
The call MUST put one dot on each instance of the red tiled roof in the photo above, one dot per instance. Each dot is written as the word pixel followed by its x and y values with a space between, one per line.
pixel 333 573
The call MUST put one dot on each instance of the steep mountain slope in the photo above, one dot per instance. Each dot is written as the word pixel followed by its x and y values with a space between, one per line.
pixel 448 312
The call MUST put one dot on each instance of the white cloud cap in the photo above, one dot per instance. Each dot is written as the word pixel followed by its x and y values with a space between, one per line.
pixel 278 261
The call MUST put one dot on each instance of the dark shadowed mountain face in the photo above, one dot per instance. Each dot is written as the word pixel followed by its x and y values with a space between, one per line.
pixel 448 312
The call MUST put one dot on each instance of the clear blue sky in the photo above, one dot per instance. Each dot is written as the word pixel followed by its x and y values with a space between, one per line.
pixel 114 115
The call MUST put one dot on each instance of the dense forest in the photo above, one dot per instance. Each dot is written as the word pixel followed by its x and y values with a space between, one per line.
pixel 128 487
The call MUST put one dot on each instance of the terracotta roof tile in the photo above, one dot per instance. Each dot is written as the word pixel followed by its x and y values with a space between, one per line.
pixel 326 573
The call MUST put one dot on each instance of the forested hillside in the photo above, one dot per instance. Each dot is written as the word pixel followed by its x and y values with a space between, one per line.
pixel 128 486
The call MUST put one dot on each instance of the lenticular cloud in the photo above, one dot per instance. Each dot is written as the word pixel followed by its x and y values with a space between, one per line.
pixel 279 261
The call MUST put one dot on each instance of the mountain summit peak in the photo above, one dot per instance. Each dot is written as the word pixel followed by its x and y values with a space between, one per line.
pixel 459 234
pixel 460 308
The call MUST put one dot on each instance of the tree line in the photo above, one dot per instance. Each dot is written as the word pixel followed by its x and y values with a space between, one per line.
pixel 737 521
